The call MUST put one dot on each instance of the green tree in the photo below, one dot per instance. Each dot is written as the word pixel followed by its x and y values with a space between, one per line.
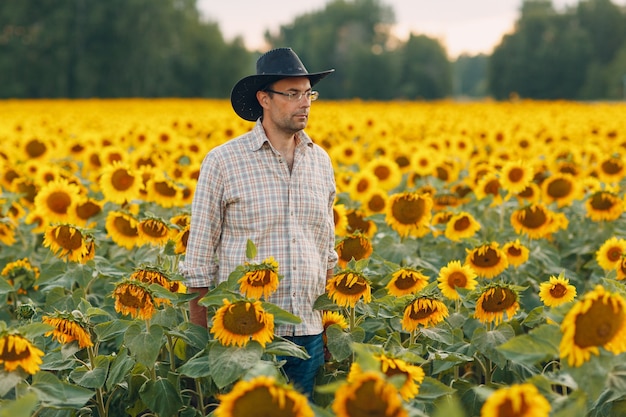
pixel 470 75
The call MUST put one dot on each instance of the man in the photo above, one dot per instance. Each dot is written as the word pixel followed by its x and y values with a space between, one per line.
pixel 274 186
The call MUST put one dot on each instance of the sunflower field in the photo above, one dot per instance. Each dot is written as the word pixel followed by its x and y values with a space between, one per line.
pixel 481 264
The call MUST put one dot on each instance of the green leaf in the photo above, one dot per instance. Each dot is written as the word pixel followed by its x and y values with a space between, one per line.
pixel 284 347
pixel 92 378
pixel 449 406
pixel 8 381
pixel 540 344
pixel 280 316
pixel 441 333
pixel 111 329
pixel 55 393
pixel 572 405
pixel 161 397
pixel 22 407
pixel 340 342
pixel 120 367
pixel 486 342
pixel 144 345
pixel 432 389
pixel 5 287
pixel 228 364
pixel 196 367
pixel 56 360
pixel 250 249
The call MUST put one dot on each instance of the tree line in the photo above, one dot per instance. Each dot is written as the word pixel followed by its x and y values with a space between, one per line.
pixel 165 48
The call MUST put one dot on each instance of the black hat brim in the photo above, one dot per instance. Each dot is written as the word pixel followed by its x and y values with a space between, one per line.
pixel 243 95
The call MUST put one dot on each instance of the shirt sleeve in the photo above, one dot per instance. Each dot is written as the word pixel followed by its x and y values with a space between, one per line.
pixel 200 266
pixel 332 253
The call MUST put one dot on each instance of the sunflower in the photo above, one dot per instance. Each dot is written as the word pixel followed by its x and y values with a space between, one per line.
pixel 347 287
pixel 33 218
pixel 357 222
pixel 386 170
pixel 119 183
pixel 134 299
pixel 376 202
pixel 597 320
pixel 560 188
pixel 611 169
pixel 356 246
pixel 164 191
pixel 489 185
pixel 16 350
pixel 390 366
pixel 332 317
pixel 68 241
pixel 239 322
pixel 461 226
pixel 21 274
pixel 424 161
pixel 517 400
pixel 262 396
pixel 604 206
pixel 122 228
pixel 515 176
pixel 259 280
pixel 408 212
pixel 530 194
pixel 180 240
pixel 516 253
pixel 340 216
pixel 86 208
pixel 495 300
pixel 453 276
pixel 68 328
pixel 487 260
pixel 362 184
pixel 153 231
pixel 7 232
pixel 535 220
pixel 557 291
pixel 406 281
pixel 56 201
pixel 368 394
pixel 610 254
pixel 427 311
pixel 154 275
pixel 181 220
pixel 440 219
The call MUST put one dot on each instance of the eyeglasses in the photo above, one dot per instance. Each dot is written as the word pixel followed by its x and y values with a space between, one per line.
pixel 297 95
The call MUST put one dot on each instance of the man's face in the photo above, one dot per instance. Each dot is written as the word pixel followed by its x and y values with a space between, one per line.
pixel 288 114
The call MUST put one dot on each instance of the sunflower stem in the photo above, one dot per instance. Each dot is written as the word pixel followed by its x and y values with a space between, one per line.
pixel 170 349
pixel 200 395
pixel 102 411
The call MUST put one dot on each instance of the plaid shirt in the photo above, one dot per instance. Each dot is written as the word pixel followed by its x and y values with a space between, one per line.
pixel 245 191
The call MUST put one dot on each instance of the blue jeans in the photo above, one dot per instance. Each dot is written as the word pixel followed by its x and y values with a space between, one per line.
pixel 301 373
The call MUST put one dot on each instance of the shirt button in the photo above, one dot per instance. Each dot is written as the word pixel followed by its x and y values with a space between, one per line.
pixel 294 268
pixel 293 295
pixel 293 240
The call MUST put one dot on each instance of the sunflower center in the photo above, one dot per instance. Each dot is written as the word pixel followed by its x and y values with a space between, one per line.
pixel 261 278
pixel 367 402
pixel 165 189
pixel 68 238
pixel 405 281
pixel 499 300
pixel 614 254
pixel 462 224
pixel 516 174
pixel 534 218
pixel 353 248
pixel 9 353
pixel 408 210
pixel 241 319
pixel 559 188
pixel 514 251
pixel 612 166
pixel 122 180
pixel 154 229
pixel 602 202
pixel 457 279
pixel 507 409
pixel 260 402
pixel 122 225
pixel 382 172
pixel 527 192
pixel 133 299
pixel 558 290
pixel 422 312
pixel 376 203
pixel 344 287
pixel 487 258
pixel 35 148
pixel 87 210
pixel 598 325
pixel 59 202
pixel 492 187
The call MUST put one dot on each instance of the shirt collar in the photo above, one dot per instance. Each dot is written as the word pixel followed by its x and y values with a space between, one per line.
pixel 259 137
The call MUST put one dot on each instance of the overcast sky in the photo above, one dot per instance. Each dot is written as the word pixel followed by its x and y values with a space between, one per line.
pixel 470 26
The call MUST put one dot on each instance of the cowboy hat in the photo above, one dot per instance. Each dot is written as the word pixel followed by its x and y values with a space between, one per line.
pixel 272 66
